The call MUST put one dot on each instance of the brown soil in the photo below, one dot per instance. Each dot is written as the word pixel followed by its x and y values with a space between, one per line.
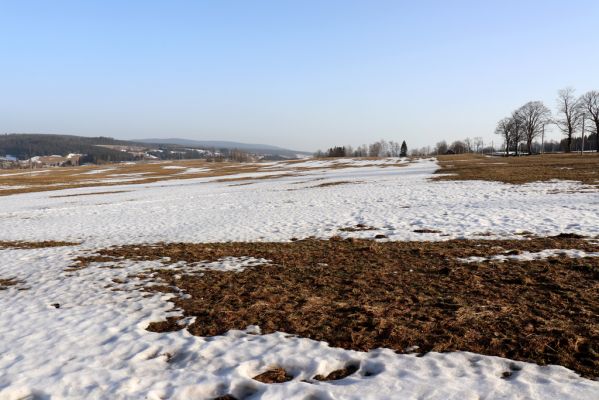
pixel 274 375
pixel 525 169
pixel 360 294
pixel 34 245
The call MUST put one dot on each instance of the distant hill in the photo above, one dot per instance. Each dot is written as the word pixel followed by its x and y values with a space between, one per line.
pixel 96 149
pixel 27 145
pixel 106 149
pixel 262 149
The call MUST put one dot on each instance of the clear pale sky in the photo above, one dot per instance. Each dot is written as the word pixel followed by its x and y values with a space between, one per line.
pixel 299 74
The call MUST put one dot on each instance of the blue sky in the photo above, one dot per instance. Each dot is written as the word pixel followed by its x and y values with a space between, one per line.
pixel 299 74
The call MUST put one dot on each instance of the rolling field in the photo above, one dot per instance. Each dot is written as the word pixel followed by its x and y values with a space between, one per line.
pixel 461 277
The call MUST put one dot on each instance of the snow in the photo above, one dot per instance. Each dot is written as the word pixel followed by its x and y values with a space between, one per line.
pixel 340 161
pixel 97 171
pixel 132 174
pixel 9 187
pixel 235 264
pixel 174 167
pixel 395 200
pixel 95 344
pixel 531 256
pixel 195 170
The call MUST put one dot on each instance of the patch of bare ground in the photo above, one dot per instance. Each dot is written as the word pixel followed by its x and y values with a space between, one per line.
pixel 90 194
pixel 360 294
pixel 358 228
pixel 274 375
pixel 252 178
pixel 339 373
pixel 5 283
pixel 518 170
pixel 336 183
pixel 34 245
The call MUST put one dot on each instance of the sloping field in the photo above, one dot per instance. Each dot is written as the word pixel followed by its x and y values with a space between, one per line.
pixel 15 181
pixel 318 279
pixel 517 170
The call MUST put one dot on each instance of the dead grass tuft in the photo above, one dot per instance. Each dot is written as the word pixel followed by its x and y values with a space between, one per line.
pixel 337 183
pixel 338 374
pixel 425 230
pixel 5 283
pixel 358 228
pixel 274 375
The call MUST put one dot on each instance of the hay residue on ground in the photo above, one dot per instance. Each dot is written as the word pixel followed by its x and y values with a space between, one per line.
pixel 524 169
pixel 407 296
pixel 34 245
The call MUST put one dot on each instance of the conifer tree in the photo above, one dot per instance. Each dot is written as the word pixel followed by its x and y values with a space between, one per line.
pixel 404 149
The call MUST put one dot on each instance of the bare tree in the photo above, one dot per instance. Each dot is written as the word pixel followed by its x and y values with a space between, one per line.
pixel 570 115
pixel 504 129
pixel 532 116
pixel 589 102
pixel 375 149
pixel 458 147
pixel 468 144
pixel 478 144
pixel 441 147
pixel 517 131
pixel 394 148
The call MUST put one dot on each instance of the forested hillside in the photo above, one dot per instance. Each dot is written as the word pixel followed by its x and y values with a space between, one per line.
pixel 24 146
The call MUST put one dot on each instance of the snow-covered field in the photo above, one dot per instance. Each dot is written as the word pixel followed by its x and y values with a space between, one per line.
pixel 70 335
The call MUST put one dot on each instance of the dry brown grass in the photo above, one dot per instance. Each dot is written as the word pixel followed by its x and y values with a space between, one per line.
pixel 5 283
pixel 48 179
pixel 77 177
pixel 336 183
pixel 90 194
pixel 574 167
pixel 274 375
pixel 360 294
pixel 33 245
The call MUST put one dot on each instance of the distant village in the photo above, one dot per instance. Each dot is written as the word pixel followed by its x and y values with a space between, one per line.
pixel 74 159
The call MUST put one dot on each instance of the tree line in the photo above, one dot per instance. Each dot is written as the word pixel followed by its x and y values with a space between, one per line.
pixel 381 148
pixel 573 114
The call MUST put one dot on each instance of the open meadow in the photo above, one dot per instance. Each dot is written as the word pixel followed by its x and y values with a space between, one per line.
pixel 457 277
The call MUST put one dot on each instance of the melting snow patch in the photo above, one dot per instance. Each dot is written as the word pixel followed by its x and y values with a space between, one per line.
pixel 528 256
pixel 97 171
pixel 234 264
pixel 8 187
pixel 194 171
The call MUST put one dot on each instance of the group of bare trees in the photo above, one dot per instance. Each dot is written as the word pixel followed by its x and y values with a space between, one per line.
pixel 528 122
pixel 382 148
pixel 468 145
